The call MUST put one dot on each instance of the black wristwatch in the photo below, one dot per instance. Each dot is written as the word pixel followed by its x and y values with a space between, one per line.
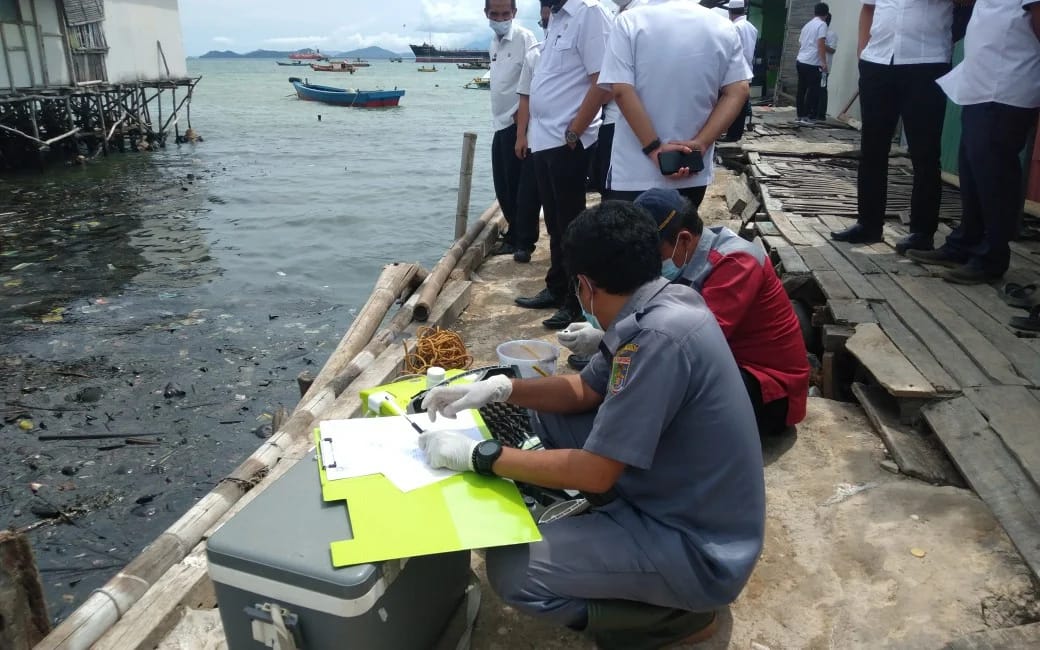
pixel 571 137
pixel 484 456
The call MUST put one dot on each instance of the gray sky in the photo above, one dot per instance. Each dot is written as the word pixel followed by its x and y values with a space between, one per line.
pixel 244 25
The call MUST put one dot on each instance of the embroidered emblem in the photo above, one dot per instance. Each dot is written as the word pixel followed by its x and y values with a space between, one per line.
pixel 622 364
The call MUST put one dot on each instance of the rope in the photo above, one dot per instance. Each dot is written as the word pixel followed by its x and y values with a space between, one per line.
pixel 436 347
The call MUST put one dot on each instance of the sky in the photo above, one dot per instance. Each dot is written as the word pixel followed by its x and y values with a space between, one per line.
pixel 245 25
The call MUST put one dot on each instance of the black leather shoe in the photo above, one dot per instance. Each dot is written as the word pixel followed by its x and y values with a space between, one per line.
pixel 857 234
pixel 561 319
pixel 541 300
pixel 915 242
pixel 522 256
pixel 940 257
pixel 505 248
pixel 578 362
pixel 970 274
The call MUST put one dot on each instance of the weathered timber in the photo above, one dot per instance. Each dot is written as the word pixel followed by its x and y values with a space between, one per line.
pixel 23 610
pixel 1014 413
pixel 481 247
pixel 738 195
pixel 851 312
pixel 887 364
pixel 913 349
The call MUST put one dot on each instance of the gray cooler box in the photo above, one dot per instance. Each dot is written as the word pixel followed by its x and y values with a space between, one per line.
pixel 276 585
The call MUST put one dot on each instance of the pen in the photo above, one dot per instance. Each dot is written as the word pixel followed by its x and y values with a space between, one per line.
pixel 397 409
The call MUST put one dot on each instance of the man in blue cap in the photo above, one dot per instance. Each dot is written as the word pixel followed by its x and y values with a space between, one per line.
pixel 660 422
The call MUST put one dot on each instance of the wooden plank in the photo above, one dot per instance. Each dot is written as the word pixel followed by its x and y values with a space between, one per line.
pixel 750 210
pixel 851 312
pixel 992 472
pixel 926 292
pixel 942 346
pixel 915 454
pixel 913 349
pixel 849 273
pixel 988 300
pixel 1020 637
pixel 887 364
pixel 1014 413
pixel 738 195
pixel 833 287
pixel 835 336
pixel 806 226
pixel 767 229
pixel 783 222
pixel 771 204
pixel 790 260
pixel 814 259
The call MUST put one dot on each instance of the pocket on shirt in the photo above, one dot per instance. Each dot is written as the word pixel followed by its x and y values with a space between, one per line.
pixel 563 55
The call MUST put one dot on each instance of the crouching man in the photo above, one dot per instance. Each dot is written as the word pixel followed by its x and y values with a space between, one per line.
pixel 660 421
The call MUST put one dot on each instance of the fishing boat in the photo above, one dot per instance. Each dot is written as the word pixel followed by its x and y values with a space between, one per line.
pixel 475 65
pixel 359 63
pixel 425 69
pixel 346 97
pixel 293 64
pixel 480 83
pixel 396 59
pixel 308 56
pixel 333 66
pixel 427 53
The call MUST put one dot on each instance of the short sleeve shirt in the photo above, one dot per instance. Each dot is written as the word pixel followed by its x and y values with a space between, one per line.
pixel 704 54
pixel 507 61
pixel 812 32
pixel 523 87
pixel 676 413
pixel 906 32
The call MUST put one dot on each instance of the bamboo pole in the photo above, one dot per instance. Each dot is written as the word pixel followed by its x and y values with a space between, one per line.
pixel 432 286
pixel 394 279
pixel 479 249
pixel 469 145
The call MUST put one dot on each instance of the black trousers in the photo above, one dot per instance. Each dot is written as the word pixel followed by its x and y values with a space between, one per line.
pixel 528 206
pixel 770 416
pixel 561 174
pixel 992 137
pixel 736 130
pixel 505 170
pixel 694 194
pixel 886 94
pixel 808 97
pixel 601 159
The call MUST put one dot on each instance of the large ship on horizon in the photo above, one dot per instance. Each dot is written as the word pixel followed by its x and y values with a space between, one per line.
pixel 427 53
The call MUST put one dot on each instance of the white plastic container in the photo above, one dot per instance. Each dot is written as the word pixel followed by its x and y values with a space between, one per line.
pixel 532 358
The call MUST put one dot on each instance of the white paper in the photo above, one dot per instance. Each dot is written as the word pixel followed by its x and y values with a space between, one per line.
pixel 388 446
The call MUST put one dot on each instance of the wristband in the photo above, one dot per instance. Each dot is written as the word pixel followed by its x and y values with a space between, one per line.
pixel 653 146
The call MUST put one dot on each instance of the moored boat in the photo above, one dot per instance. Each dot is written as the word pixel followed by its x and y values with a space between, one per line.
pixel 480 83
pixel 358 62
pixel 333 66
pixel 425 69
pixel 346 97
pixel 475 65
pixel 294 64
pixel 427 53
pixel 308 56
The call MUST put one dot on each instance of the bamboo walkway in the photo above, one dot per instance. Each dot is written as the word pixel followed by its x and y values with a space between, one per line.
pixel 935 365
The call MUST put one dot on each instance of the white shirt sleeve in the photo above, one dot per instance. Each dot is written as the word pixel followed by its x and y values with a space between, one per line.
pixel 594 35
pixel 736 67
pixel 821 32
pixel 619 66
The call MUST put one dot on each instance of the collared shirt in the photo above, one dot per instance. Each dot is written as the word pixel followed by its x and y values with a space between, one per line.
pixel 748 38
pixel 832 43
pixel 523 87
pixel 678 56
pixel 676 413
pixel 905 32
pixel 1001 58
pixel 507 60
pixel 740 286
pixel 573 52
pixel 812 32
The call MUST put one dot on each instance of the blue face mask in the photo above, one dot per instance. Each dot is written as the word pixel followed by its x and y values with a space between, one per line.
pixel 590 317
pixel 669 271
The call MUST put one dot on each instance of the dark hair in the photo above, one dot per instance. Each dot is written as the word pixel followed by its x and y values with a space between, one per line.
pixel 687 219
pixel 615 244
pixel 487 4
pixel 821 9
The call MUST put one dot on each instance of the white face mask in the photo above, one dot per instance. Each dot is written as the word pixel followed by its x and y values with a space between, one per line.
pixel 500 27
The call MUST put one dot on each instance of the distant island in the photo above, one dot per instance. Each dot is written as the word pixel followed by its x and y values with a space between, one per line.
pixel 364 53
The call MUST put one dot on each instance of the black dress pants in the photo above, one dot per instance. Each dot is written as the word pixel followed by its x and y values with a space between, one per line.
pixel 693 194
pixel 505 171
pixel 808 97
pixel 992 137
pixel 736 130
pixel 528 207
pixel 770 416
pixel 561 174
pixel 886 94
pixel 601 159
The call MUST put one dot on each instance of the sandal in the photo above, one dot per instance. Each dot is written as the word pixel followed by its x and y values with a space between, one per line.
pixel 1022 296
pixel 1030 322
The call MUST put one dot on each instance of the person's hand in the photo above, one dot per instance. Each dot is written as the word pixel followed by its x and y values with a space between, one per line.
pixel 581 338
pixel 521 146
pixel 823 68
pixel 449 400
pixel 682 146
pixel 448 449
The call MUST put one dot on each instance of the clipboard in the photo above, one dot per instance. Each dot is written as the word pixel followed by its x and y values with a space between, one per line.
pixel 466 511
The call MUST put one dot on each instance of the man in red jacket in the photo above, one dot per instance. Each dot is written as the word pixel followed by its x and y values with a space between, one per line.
pixel 737 281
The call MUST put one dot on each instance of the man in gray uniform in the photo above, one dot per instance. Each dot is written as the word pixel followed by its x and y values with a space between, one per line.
pixel 660 421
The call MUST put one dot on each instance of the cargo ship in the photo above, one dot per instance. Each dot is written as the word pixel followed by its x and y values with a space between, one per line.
pixel 427 53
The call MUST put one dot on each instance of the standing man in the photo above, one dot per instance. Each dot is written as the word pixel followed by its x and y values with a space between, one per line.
pixel 998 86
pixel 904 46
pixel 507 50
pixel 748 40
pixel 832 46
pixel 673 97
pixel 812 63
pixel 659 421
pixel 565 118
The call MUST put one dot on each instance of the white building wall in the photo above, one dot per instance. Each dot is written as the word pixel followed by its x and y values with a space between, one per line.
pixel 844 79
pixel 132 28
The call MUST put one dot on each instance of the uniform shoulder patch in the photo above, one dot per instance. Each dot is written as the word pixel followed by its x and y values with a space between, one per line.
pixel 622 364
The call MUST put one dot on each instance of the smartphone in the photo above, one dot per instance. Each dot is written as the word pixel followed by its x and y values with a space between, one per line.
pixel 672 161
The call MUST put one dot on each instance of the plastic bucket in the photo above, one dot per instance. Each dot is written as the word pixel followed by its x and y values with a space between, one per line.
pixel 532 358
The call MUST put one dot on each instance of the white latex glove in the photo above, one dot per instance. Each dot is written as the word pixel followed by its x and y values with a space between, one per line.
pixel 581 338
pixel 448 449
pixel 449 400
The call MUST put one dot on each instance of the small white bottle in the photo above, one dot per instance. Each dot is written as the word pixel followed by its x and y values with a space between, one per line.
pixel 434 376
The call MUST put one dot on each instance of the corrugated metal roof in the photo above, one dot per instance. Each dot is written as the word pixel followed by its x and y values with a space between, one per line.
pixel 80 12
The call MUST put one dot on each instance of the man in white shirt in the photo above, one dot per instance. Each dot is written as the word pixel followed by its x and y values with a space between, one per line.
pixel 678 73
pixel 565 118
pixel 904 46
pixel 507 50
pixel 998 86
pixel 831 46
pixel 748 39
pixel 811 63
